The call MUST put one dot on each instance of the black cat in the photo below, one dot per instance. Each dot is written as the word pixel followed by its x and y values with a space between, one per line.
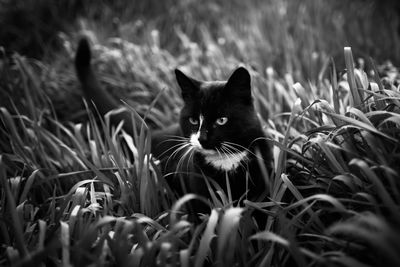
pixel 218 140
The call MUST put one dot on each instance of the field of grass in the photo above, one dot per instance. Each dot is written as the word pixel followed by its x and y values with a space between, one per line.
pixel 76 192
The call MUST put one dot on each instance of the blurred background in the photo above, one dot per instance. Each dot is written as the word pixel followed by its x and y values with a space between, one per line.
pixel 137 44
pixel 287 35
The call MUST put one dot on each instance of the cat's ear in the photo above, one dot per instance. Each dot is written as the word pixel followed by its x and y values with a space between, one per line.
pixel 239 85
pixel 189 86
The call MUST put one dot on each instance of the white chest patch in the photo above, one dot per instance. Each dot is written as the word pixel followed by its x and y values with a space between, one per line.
pixel 226 162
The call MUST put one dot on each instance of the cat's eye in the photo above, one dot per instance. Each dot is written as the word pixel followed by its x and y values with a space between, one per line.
pixel 222 120
pixel 193 121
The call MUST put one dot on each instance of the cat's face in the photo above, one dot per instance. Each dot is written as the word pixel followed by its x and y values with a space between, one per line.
pixel 218 118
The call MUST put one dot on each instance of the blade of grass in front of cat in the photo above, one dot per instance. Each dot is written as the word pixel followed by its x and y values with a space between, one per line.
pixel 206 238
pixel 16 222
pixel 282 154
pixel 227 234
pixel 378 185
pixel 355 99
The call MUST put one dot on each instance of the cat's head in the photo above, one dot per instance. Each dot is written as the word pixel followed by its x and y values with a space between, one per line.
pixel 218 116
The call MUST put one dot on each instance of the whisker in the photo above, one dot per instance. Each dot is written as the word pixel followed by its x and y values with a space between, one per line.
pixel 219 153
pixel 172 147
pixel 232 154
pixel 232 145
pixel 179 149
pixel 181 160
pixel 236 146
pixel 174 140
pixel 231 148
pixel 189 161
pixel 226 154
pixel 234 151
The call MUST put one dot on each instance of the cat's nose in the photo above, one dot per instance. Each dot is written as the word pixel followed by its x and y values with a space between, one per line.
pixel 203 138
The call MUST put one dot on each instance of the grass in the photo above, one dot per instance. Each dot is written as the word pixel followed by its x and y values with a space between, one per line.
pixel 77 192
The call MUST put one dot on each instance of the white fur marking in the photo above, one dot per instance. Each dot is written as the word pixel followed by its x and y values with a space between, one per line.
pixel 226 162
pixel 194 138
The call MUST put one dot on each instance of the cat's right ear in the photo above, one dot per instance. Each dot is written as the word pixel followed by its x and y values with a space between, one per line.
pixel 189 86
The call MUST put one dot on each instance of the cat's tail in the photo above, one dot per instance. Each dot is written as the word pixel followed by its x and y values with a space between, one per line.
pixel 92 89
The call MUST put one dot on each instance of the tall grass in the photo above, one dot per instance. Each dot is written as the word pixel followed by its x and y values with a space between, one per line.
pixel 75 191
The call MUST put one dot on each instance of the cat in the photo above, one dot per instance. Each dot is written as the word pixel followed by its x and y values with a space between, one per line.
pixel 219 133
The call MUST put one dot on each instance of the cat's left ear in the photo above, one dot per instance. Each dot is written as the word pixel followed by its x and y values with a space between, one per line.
pixel 189 86
pixel 239 85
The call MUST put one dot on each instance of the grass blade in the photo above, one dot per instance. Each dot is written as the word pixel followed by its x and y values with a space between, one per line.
pixel 355 99
pixel 16 222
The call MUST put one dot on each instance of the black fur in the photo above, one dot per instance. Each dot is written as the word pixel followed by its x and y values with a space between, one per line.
pixel 231 99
